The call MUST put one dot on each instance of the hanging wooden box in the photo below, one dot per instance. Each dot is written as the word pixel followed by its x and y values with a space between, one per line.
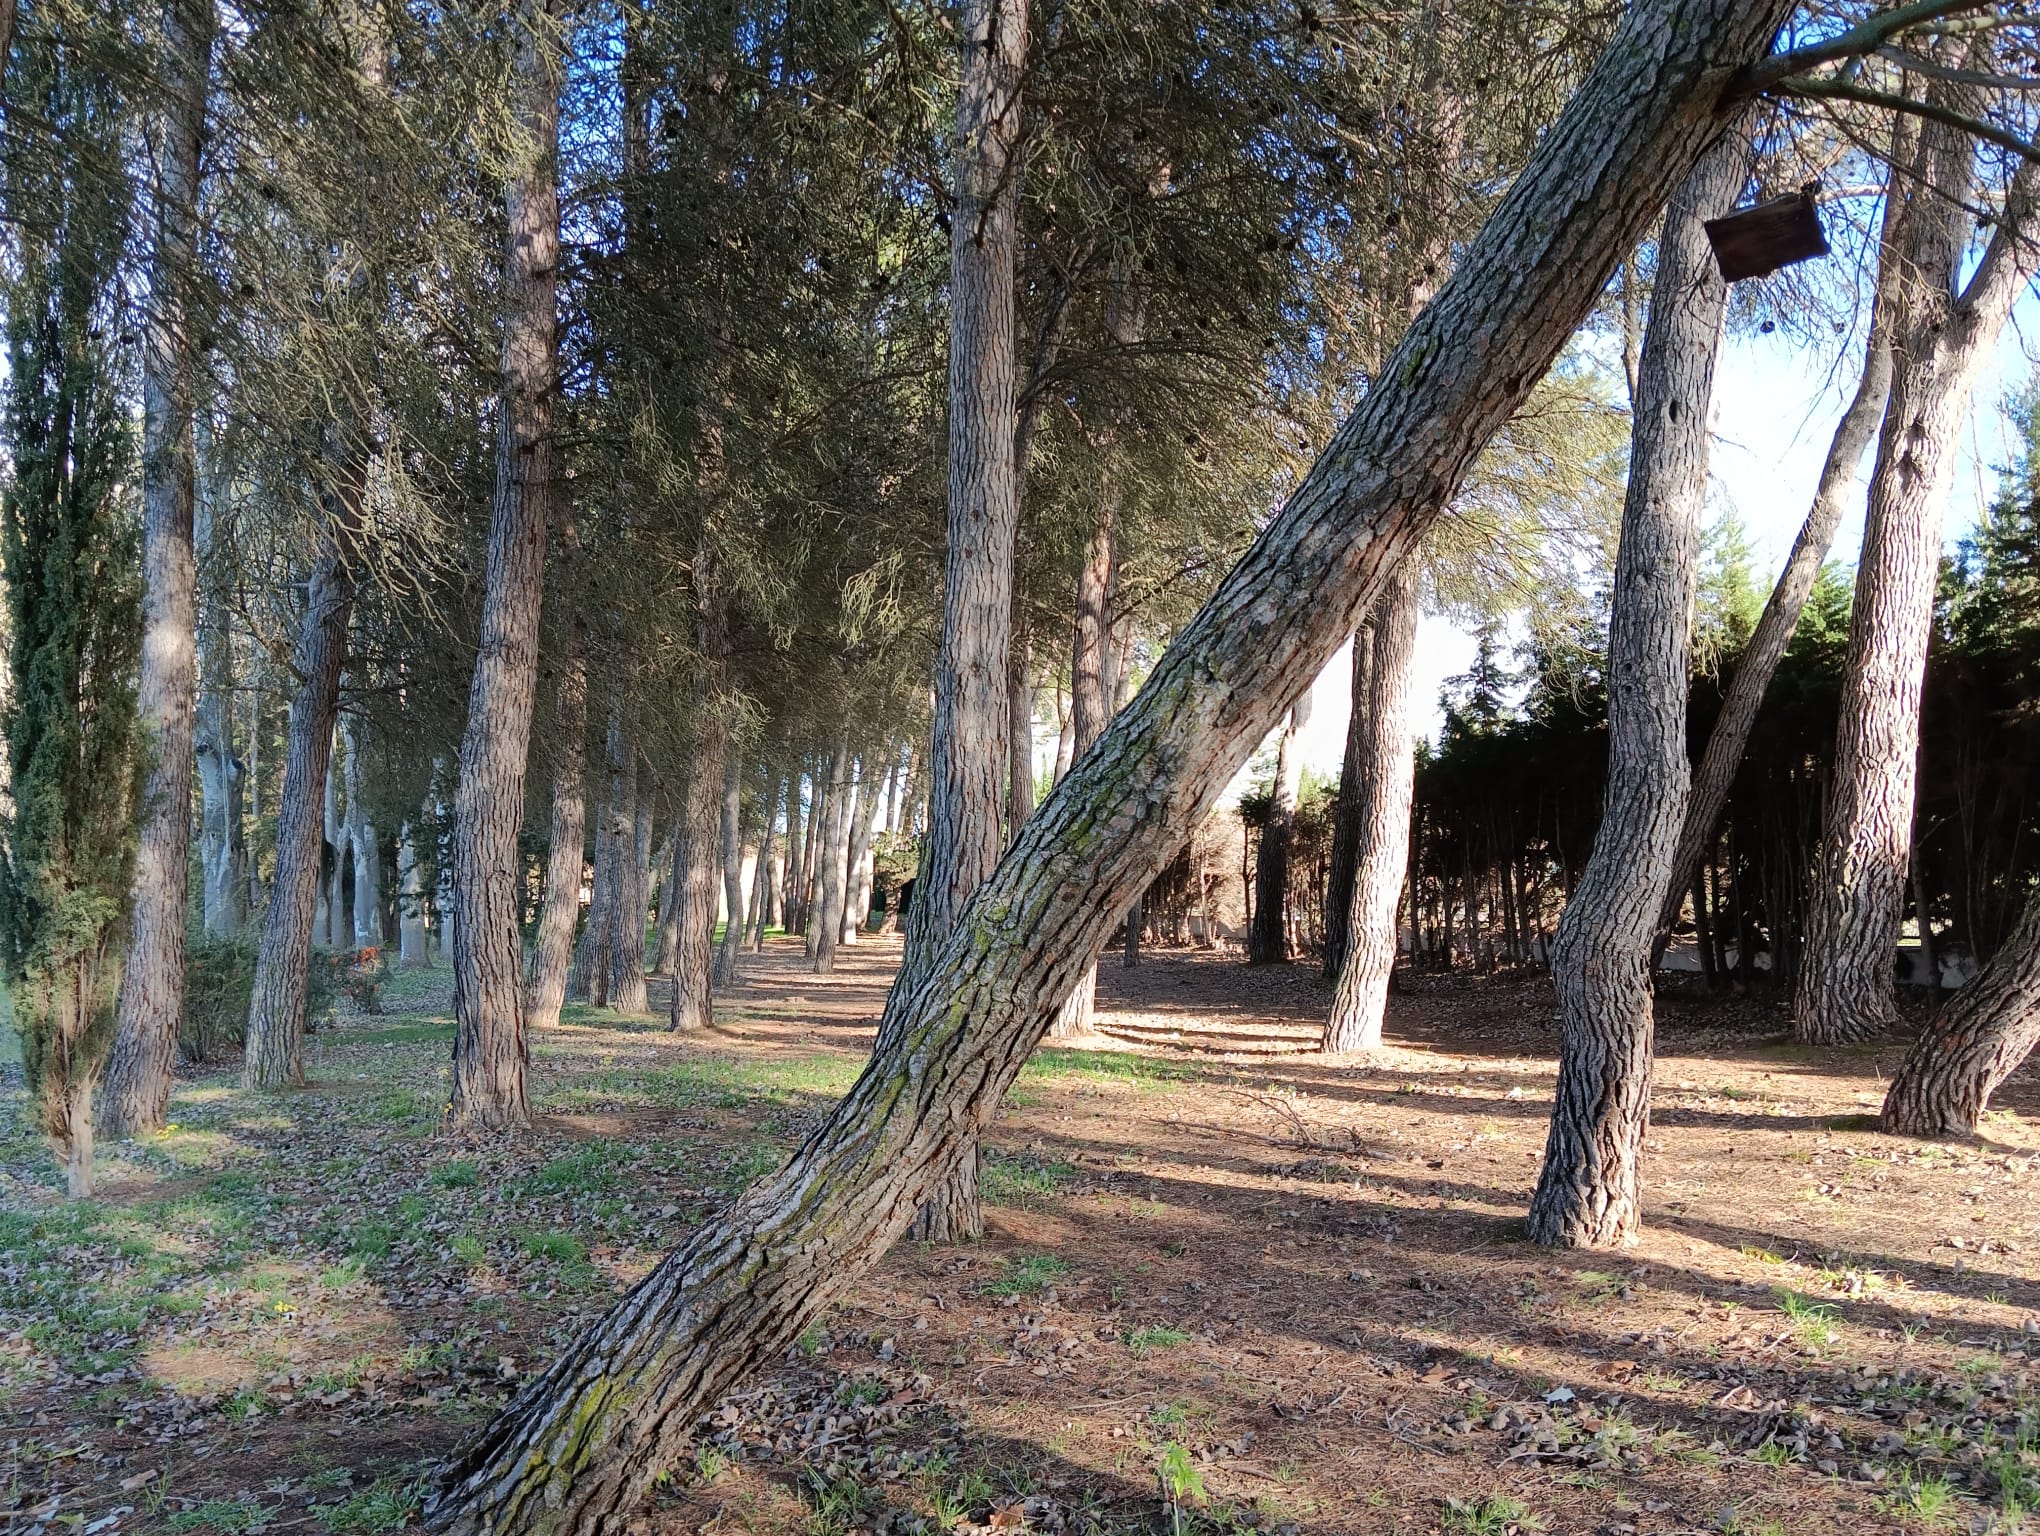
pixel 1753 241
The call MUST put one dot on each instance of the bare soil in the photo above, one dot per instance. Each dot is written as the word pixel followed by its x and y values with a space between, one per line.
pixel 1227 1284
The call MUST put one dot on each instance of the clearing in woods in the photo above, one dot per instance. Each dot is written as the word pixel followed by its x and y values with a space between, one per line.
pixel 1281 1291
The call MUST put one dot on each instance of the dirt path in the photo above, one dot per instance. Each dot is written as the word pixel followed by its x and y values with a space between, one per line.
pixel 1292 1287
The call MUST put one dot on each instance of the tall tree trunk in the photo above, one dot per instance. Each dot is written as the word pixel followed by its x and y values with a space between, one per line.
pixel 1268 934
pixel 1019 724
pixel 701 807
pixel 1759 660
pixel 1590 1190
pixel 1974 1044
pixel 276 1012
pixel 969 746
pixel 857 886
pixel 489 1047
pixel 622 812
pixel 1090 701
pixel 584 1442
pixel 732 828
pixel 222 776
pixel 151 1005
pixel 669 897
pixel 364 849
pixel 1940 337
pixel 413 941
pixel 832 880
pixel 765 879
pixel 589 978
pixel 567 854
pixel 1384 778
pixel 1346 813
pixel 627 990
pixel 331 858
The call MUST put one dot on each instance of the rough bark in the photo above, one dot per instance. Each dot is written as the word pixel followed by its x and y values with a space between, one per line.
pixel 732 945
pixel 222 776
pixel 589 979
pixel 1343 865
pixel 627 990
pixel 1974 1044
pixel 1268 933
pixel 489 1048
pixel 1019 724
pixel 1590 1190
pixel 832 877
pixel 1385 774
pixel 1940 337
pixel 584 1442
pixel 136 1085
pixel 969 744
pixel 669 916
pixel 331 927
pixel 567 854
pixel 700 827
pixel 858 866
pixel 1759 660
pixel 276 1012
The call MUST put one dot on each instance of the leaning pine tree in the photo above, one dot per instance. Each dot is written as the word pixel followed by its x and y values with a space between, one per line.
pixel 68 536
pixel 587 1440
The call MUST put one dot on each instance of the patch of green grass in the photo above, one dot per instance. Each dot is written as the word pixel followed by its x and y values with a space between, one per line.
pixel 1016 1180
pixel 749 1165
pixel 555 1247
pixel 1128 1067
pixel 835 1505
pixel 851 1393
pixel 416 1032
pixel 1492 1515
pixel 347 1272
pixel 1143 1340
pixel 459 1174
pixel 229 1517
pixel 469 1250
pixel 385 1507
pixel 1028 1276
pixel 87 1279
pixel 1812 1321
pixel 1932 1501
pixel 594 1167
pixel 1773 1453
pixel 717 1082
pixel 372 1240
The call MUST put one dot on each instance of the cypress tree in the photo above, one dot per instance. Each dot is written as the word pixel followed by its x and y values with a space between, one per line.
pixel 68 533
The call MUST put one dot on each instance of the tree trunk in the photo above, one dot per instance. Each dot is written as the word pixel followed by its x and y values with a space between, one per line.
pixel 332 924
pixel 833 878
pixel 583 1444
pixel 627 990
pixel 1590 1190
pixel 222 776
pixel 365 851
pixel 137 1079
pixel 830 787
pixel 725 974
pixel 1974 1044
pixel 1019 722
pixel 1939 343
pixel 1383 783
pixel 857 889
pixel 567 854
pixel 765 879
pixel 1268 934
pixel 489 1047
pixel 969 745
pixel 701 807
pixel 276 1012
pixel 669 895
pixel 413 942
pixel 1759 660
pixel 1346 812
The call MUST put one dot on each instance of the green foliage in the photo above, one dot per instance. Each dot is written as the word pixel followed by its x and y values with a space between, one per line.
pixel 1011 1180
pixel 1028 1276
pixel 68 541
pixel 219 982
pixel 1494 1514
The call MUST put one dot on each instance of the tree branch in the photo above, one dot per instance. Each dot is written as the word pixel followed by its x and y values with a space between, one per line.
pixel 1865 37
pixel 1842 90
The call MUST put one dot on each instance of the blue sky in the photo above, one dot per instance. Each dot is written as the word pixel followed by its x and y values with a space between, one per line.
pixel 1776 403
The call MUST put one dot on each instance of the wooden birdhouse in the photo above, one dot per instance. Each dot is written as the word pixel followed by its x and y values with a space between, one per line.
pixel 1754 241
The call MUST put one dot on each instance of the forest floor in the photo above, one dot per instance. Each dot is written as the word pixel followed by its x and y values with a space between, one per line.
pixel 1288 1288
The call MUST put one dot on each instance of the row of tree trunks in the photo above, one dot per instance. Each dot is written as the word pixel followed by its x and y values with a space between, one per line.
pixel 1384 775
pixel 136 1092
pixel 1590 1189
pixel 1268 931
pixel 361 846
pixel 825 920
pixel 584 1442
pixel 490 1049
pixel 732 851
pixel 1941 333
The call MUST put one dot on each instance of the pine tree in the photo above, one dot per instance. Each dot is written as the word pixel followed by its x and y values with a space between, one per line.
pixel 69 534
